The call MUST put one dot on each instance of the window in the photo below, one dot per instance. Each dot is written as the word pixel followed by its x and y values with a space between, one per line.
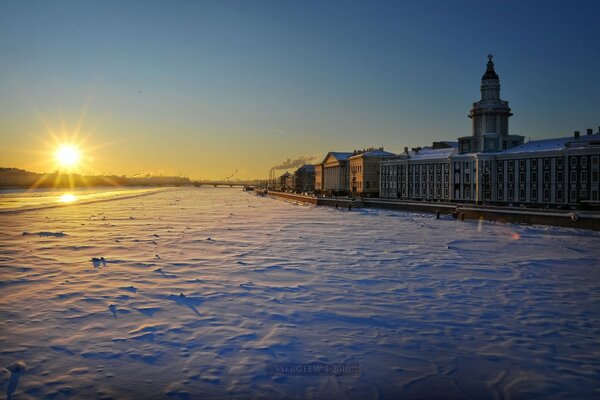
pixel 573 162
pixel 522 194
pixel 546 163
pixel 546 196
pixel 500 165
pixel 559 176
pixel 511 177
pixel 594 195
pixel 534 178
pixel 534 195
pixel 573 196
pixel 583 193
pixel 559 195
pixel 583 176
pixel 522 177
pixel 584 161
pixel 573 176
pixel 511 193
pixel 594 160
pixel 522 164
pixel 594 176
pixel 500 194
pixel 559 162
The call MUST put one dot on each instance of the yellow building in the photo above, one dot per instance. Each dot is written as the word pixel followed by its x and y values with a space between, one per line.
pixel 364 171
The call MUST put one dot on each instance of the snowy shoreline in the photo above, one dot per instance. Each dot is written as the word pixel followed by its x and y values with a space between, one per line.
pixel 196 292
pixel 569 219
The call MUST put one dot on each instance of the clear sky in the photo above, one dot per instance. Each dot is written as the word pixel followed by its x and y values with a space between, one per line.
pixel 208 88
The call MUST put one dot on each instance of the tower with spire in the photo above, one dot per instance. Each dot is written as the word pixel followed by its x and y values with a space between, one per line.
pixel 489 118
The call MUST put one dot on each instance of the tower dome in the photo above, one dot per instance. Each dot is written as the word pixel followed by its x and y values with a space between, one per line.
pixel 490 73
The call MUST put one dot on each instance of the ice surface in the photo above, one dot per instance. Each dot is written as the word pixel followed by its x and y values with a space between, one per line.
pixel 196 291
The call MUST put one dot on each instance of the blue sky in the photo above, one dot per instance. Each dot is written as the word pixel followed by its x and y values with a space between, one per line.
pixel 207 88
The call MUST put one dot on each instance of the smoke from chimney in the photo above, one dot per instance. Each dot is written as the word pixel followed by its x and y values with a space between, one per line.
pixel 295 163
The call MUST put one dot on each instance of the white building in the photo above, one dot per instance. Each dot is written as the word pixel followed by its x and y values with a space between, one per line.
pixel 492 166
pixel 335 172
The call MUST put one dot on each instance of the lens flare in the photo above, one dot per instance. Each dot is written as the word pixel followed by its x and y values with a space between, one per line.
pixel 68 156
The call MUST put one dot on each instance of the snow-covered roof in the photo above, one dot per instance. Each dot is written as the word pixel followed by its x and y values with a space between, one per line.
pixel 552 144
pixel 340 155
pixel 374 153
pixel 428 153
pixel 306 167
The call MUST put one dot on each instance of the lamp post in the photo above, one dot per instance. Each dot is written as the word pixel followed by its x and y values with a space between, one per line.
pixel 486 185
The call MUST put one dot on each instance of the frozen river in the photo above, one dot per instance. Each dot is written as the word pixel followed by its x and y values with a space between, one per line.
pixel 205 292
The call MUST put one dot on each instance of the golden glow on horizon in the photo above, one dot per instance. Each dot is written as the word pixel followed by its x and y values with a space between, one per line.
pixel 68 156
pixel 67 198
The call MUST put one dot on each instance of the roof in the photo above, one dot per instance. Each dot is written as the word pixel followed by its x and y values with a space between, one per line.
pixel 307 168
pixel 552 144
pixel 340 156
pixel 374 153
pixel 490 73
pixel 427 153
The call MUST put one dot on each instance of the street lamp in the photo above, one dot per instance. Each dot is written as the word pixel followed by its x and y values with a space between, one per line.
pixel 486 184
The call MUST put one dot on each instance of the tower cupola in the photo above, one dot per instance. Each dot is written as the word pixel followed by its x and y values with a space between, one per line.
pixel 490 114
pixel 490 83
pixel 490 118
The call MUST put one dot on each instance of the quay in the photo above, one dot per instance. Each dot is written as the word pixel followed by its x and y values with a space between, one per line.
pixel 532 216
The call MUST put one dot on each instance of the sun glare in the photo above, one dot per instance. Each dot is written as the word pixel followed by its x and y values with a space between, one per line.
pixel 67 198
pixel 68 156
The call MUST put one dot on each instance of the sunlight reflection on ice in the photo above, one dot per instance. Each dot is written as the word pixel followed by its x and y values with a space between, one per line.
pixel 67 198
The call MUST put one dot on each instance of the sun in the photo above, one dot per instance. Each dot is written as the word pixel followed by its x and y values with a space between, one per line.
pixel 68 156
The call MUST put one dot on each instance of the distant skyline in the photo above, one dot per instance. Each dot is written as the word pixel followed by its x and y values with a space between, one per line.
pixel 218 89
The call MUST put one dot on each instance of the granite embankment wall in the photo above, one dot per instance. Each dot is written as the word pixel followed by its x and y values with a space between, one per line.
pixel 571 219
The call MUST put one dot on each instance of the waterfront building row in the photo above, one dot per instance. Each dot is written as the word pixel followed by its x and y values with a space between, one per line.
pixel 545 172
pixel 492 166
pixel 489 166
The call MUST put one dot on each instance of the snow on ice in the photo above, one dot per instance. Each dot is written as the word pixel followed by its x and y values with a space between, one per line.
pixel 198 292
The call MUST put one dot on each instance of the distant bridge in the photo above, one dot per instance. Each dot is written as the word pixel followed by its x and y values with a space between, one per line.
pixel 226 183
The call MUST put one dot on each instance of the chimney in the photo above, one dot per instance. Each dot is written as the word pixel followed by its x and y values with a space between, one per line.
pixel 589 131
pixel 406 150
pixel 576 134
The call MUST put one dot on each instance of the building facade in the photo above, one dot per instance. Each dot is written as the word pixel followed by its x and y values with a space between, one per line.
pixel 304 179
pixel 336 173
pixel 318 178
pixel 491 166
pixel 421 174
pixel 365 170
